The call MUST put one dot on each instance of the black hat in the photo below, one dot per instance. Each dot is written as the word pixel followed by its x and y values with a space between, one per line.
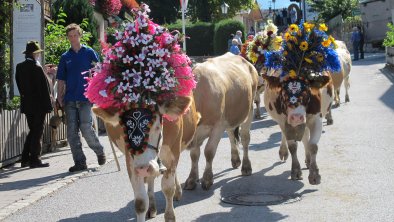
pixel 32 47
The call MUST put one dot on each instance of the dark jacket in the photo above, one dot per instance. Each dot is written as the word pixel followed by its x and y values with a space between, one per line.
pixel 33 87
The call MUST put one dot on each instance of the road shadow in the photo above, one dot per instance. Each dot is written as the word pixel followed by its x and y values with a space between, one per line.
pixel 387 97
pixel 273 141
pixel 25 184
pixel 370 59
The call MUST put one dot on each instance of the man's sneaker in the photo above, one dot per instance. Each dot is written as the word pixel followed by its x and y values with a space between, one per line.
pixel 77 167
pixel 38 165
pixel 101 159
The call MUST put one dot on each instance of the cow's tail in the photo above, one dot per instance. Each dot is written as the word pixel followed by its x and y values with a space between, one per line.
pixel 236 135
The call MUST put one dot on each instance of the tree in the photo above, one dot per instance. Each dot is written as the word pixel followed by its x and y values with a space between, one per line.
pixel 209 10
pixel 164 11
pixel 5 20
pixel 77 11
pixel 328 9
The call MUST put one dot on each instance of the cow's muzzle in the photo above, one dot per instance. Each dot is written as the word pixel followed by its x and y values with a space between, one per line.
pixel 294 132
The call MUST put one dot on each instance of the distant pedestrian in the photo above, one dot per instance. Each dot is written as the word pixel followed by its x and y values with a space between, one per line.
pixel 234 47
pixel 230 42
pixel 238 37
pixel 251 31
pixel 36 102
pixel 72 71
pixel 361 46
pixel 355 39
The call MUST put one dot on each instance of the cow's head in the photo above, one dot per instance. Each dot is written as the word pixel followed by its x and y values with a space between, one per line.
pixel 142 130
pixel 297 97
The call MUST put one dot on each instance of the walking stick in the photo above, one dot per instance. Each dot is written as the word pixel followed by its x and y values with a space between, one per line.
pixel 113 149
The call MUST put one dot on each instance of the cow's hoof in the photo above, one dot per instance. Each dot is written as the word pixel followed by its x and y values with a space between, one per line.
pixel 235 162
pixel 296 174
pixel 347 99
pixel 258 117
pixel 151 213
pixel 330 121
pixel 314 178
pixel 207 180
pixel 190 184
pixel 246 169
pixel 169 217
pixel 283 154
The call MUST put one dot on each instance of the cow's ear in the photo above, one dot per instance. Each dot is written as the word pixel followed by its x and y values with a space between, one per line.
pixel 106 115
pixel 176 107
pixel 320 81
pixel 272 81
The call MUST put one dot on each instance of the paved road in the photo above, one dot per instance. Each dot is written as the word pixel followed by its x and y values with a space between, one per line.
pixel 355 160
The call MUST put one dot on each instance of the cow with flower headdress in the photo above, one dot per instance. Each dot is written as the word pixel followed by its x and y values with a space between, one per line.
pixel 143 92
pixel 254 52
pixel 301 95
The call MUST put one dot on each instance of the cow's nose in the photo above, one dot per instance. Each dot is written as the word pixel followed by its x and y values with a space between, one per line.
pixel 296 119
pixel 142 171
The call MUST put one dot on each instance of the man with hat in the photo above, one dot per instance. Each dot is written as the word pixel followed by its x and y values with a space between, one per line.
pixel 35 103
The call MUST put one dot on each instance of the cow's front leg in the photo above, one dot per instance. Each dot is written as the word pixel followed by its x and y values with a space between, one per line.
pixel 141 201
pixel 235 159
pixel 283 152
pixel 152 211
pixel 168 187
pixel 296 173
pixel 140 194
pixel 315 134
pixel 210 151
pixel 191 181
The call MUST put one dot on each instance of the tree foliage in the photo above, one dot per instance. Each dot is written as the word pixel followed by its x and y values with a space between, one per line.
pixel 328 9
pixel 5 17
pixel 56 42
pixel 77 11
pixel 209 10
pixel 164 11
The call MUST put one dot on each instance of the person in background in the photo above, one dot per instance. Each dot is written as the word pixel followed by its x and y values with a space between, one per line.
pixel 251 31
pixel 72 70
pixel 230 42
pixel 36 102
pixel 361 46
pixel 234 47
pixel 356 37
pixel 238 37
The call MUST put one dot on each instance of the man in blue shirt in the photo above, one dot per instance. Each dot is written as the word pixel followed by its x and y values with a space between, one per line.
pixel 356 37
pixel 72 70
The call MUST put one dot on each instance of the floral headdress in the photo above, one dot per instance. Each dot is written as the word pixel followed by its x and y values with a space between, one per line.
pixel 267 40
pixel 307 52
pixel 144 67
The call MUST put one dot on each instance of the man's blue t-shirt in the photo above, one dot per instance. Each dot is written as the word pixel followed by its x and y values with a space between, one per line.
pixel 73 69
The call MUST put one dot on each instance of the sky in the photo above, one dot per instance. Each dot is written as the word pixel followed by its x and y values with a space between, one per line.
pixel 278 3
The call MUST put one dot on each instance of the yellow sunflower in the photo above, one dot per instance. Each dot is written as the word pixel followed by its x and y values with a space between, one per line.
pixel 304 46
pixel 287 36
pixel 308 26
pixel 326 43
pixel 293 28
pixel 323 27
pixel 292 74
pixel 277 42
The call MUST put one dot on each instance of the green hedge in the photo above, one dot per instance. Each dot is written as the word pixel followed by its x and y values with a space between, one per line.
pixel 200 37
pixel 223 29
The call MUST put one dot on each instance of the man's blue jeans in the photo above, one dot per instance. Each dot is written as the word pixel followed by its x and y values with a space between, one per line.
pixel 79 118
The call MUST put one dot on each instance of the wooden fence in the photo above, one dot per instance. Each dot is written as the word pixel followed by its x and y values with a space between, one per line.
pixel 13 132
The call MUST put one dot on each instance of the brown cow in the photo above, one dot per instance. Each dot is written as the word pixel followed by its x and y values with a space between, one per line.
pixel 224 96
pixel 298 107
pixel 342 76
pixel 144 167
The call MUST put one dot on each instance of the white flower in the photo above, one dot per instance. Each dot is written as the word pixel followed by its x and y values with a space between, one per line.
pixel 120 88
pixel 161 62
pixel 157 82
pixel 126 98
pixel 135 97
pixel 98 68
pixel 139 59
pixel 127 87
pixel 119 51
pixel 131 40
pixel 118 35
pixel 126 74
pixel 129 26
pixel 152 62
pixel 162 52
pixel 137 140
pixel 145 38
pixel 142 20
pixel 109 79
pixel 127 59
pixel 146 82
pixel 145 7
pixel 149 72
